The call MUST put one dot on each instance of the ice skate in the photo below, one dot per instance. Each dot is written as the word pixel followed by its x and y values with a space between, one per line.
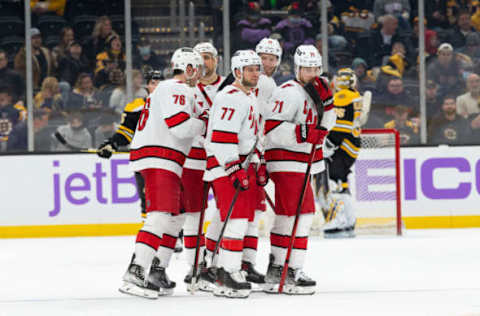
pixel 232 285
pixel 134 282
pixel 205 283
pixel 298 283
pixel 159 278
pixel 253 276
pixel 273 276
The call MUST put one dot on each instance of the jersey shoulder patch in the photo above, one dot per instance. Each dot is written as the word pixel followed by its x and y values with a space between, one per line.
pixel 286 85
pixel 345 97
pixel 135 105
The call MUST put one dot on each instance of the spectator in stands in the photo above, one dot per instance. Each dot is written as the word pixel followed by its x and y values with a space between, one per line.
pixel 83 94
pixel 284 73
pixel 447 127
pixel 48 6
pixel 113 52
pixel 66 38
pixel 457 36
pixel 364 78
pixel 147 57
pixel 380 42
pixel 49 97
pixel 118 100
pixel 10 115
pixel 446 71
pixel 18 139
pixel 253 28
pixel 104 76
pixel 472 46
pixel 72 64
pixel 295 29
pixel 10 77
pixel 407 128
pixel 43 63
pixel 74 133
pixel 106 128
pixel 97 42
pixel 436 14
pixel 398 8
pixel 467 103
pixel 433 101
pixel 394 94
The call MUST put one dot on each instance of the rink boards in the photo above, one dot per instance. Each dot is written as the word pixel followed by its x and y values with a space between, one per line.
pixel 83 195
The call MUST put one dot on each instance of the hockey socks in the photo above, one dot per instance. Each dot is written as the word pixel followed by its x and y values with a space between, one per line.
pixel 190 230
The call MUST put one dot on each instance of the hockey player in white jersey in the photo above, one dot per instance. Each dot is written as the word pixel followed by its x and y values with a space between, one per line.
pixel 231 137
pixel 196 162
pixel 291 131
pixel 163 137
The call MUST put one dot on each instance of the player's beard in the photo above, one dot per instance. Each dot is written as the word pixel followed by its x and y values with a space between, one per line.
pixel 249 84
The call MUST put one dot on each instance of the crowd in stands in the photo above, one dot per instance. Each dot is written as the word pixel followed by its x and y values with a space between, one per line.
pixel 78 59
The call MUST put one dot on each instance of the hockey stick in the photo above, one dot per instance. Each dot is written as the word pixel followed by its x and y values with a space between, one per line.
pixel 64 142
pixel 199 234
pixel 269 200
pixel 319 106
pixel 234 200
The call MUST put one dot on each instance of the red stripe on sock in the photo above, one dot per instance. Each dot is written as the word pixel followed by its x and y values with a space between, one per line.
pixel 210 243
pixel 190 242
pixel 168 241
pixel 300 243
pixel 281 241
pixel 250 242
pixel 232 244
pixel 148 239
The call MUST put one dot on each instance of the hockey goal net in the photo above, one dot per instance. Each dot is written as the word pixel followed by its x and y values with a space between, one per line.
pixel 374 185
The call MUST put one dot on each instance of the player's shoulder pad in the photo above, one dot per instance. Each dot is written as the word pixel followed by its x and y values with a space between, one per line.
pixel 135 106
pixel 345 97
pixel 288 91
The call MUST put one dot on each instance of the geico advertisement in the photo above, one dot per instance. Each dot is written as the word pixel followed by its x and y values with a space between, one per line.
pixel 83 189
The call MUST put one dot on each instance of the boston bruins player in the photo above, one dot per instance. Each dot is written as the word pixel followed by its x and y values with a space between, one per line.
pixel 124 134
pixel 342 148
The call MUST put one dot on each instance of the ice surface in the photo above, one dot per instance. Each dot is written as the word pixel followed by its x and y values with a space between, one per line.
pixel 426 272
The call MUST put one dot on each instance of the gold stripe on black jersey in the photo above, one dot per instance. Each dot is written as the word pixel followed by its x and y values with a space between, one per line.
pixel 350 148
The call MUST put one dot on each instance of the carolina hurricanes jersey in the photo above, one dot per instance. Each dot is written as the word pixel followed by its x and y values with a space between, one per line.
pixel 264 90
pixel 290 106
pixel 204 95
pixel 232 130
pixel 166 128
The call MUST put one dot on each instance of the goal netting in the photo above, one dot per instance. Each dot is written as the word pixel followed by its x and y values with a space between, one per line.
pixel 374 184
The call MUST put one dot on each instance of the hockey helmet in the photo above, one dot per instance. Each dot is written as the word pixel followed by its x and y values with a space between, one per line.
pixel 269 46
pixel 307 56
pixel 345 79
pixel 243 58
pixel 206 47
pixel 185 56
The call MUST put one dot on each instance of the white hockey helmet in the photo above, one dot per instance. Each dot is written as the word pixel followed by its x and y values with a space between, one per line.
pixel 307 56
pixel 206 47
pixel 269 46
pixel 185 56
pixel 242 58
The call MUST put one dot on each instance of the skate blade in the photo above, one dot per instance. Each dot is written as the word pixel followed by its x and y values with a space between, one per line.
pixel 231 293
pixel 200 285
pixel 165 292
pixel 270 288
pixel 135 290
pixel 257 287
pixel 336 235
pixel 298 290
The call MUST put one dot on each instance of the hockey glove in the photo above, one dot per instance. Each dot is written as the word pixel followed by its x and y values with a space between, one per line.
pixel 262 173
pixel 319 91
pixel 328 148
pixel 106 149
pixel 237 174
pixel 310 133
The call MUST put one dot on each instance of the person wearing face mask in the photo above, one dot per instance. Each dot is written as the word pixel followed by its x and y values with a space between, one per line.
pixel 146 57
pixel 295 29
pixel 74 132
pixel 252 28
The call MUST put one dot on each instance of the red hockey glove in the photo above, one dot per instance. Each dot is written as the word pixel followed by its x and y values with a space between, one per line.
pixel 319 91
pixel 262 173
pixel 310 134
pixel 237 174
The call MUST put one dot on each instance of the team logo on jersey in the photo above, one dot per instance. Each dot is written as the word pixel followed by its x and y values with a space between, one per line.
pixel 5 126
pixel 450 133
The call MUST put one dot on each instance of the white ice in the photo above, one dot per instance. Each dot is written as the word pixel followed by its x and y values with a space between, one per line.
pixel 426 272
